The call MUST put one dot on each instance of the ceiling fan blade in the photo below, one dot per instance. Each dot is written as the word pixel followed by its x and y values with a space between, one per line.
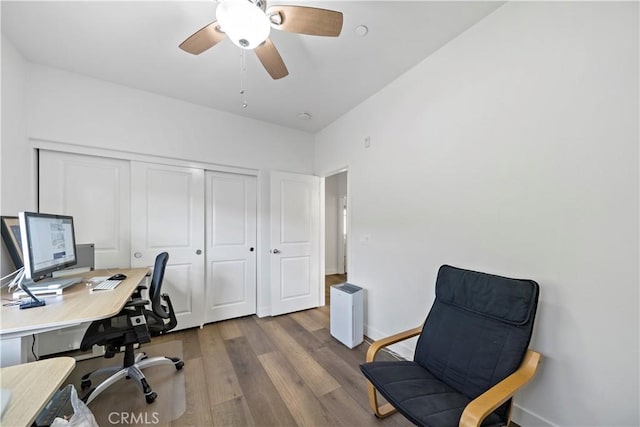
pixel 306 20
pixel 203 39
pixel 271 59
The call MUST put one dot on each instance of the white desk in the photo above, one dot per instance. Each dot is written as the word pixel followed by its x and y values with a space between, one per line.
pixel 32 385
pixel 75 306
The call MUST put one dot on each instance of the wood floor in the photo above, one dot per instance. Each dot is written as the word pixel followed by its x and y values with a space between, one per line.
pixel 330 280
pixel 276 371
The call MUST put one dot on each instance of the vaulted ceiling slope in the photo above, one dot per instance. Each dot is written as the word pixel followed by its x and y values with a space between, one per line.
pixel 135 44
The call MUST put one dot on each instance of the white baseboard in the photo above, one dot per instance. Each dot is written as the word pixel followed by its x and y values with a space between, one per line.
pixel 525 418
pixel 402 349
pixel 263 311
pixel 331 270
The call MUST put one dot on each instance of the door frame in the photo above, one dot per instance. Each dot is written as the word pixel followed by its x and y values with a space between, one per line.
pixel 323 237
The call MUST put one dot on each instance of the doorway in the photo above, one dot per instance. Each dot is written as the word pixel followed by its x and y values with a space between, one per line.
pixel 336 231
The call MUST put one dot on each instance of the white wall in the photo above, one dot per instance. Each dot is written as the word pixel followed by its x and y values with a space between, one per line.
pixel 512 150
pixel 68 108
pixel 71 108
pixel 16 162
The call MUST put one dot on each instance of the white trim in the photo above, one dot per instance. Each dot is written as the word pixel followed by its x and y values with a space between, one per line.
pixel 324 176
pixel 525 417
pixel 262 310
pixel 401 348
pixel 321 272
pixel 130 155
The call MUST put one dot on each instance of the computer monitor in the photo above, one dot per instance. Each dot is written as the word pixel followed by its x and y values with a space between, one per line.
pixel 48 243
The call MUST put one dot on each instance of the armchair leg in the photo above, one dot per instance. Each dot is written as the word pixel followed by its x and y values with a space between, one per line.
pixel 379 411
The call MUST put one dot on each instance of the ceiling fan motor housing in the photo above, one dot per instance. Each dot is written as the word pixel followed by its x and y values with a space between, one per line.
pixel 244 22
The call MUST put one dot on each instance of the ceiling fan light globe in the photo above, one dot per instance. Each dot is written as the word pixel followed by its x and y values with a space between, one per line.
pixel 244 23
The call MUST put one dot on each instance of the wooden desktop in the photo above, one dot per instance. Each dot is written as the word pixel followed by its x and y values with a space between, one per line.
pixel 75 306
pixel 32 385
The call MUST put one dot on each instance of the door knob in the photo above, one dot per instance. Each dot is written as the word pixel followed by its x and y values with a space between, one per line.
pixel 275 251
pixel 250 249
pixel 137 255
pixel 198 252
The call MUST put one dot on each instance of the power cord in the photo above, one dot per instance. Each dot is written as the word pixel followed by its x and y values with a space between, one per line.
pixel 32 347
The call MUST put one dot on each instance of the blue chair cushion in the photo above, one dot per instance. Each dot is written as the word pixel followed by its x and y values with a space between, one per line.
pixel 419 396
pixel 478 329
pixel 476 334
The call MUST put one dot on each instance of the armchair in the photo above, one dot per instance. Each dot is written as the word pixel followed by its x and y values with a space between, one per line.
pixel 471 356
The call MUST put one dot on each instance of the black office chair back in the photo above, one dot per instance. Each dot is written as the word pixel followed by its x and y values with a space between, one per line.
pixel 478 329
pixel 156 286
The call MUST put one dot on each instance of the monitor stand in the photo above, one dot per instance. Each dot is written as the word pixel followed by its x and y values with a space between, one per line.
pixel 35 302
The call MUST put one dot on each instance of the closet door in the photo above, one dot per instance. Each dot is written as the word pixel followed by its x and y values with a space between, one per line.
pixel 95 191
pixel 230 287
pixel 167 214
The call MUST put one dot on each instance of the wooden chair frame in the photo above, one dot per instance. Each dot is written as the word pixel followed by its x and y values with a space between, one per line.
pixel 479 408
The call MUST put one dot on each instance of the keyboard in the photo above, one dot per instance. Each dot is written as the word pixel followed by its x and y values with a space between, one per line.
pixel 58 406
pixel 107 285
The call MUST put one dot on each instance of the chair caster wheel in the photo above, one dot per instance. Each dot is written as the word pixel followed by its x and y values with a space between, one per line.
pixel 151 397
pixel 179 365
pixel 85 384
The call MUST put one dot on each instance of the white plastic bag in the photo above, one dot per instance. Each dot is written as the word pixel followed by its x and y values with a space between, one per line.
pixel 82 415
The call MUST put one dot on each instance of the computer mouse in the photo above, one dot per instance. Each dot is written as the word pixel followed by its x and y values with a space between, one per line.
pixel 118 276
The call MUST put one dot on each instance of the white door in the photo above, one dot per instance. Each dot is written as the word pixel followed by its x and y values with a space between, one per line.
pixel 230 286
pixel 295 242
pixel 95 191
pixel 167 214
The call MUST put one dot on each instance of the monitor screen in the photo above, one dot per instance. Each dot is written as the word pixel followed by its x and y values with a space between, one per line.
pixel 48 243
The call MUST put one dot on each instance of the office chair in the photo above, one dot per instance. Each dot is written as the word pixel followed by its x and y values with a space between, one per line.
pixel 133 325
pixel 471 356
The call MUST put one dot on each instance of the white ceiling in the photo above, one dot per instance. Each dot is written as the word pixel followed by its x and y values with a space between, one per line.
pixel 135 43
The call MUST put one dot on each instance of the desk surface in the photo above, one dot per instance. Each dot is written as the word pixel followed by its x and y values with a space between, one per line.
pixel 32 385
pixel 76 305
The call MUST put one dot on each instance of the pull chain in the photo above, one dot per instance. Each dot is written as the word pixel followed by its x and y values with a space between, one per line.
pixel 243 72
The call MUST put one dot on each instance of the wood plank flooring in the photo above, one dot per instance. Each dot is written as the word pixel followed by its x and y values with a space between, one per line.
pixel 276 371
pixel 330 280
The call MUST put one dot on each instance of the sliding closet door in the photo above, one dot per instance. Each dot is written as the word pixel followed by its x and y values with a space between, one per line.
pixel 95 191
pixel 167 214
pixel 230 287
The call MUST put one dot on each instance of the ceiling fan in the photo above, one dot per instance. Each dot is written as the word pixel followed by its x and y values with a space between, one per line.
pixel 248 24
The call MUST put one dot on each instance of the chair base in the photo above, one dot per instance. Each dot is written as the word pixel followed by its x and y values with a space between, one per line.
pixel 116 373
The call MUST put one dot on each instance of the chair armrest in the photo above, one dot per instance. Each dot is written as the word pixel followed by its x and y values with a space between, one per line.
pixel 137 303
pixel 478 409
pixel 138 292
pixel 378 345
